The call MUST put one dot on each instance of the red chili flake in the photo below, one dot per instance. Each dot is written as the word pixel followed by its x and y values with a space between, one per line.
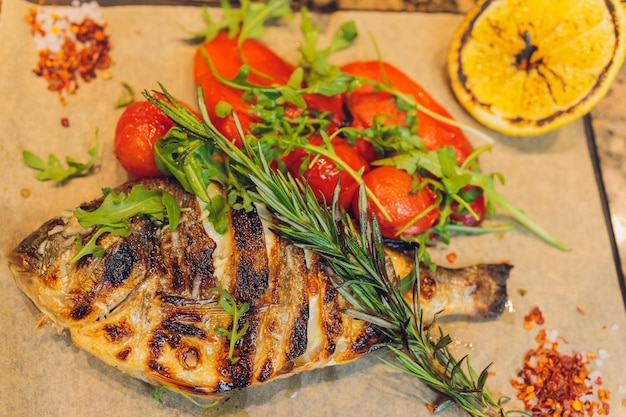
pixel 451 257
pixel 580 310
pixel 65 122
pixel 82 50
pixel 555 384
pixel 535 316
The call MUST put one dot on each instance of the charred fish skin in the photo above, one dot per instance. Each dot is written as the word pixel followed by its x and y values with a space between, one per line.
pixel 148 306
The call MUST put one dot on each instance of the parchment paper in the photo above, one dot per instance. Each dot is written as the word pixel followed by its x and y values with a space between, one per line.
pixel 550 177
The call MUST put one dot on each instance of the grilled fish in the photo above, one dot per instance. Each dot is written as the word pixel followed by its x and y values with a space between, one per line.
pixel 149 307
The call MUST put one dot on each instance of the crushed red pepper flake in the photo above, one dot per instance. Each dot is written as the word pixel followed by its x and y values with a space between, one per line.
pixel 534 316
pixel 451 257
pixel 555 384
pixel 84 49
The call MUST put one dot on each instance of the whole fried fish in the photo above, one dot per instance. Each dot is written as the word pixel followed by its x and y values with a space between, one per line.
pixel 149 306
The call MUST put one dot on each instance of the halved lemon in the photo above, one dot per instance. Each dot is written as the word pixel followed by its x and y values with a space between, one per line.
pixel 526 67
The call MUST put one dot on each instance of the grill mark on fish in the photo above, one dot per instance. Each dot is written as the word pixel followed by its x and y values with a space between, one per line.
pixel 119 265
pixel 250 257
pixel 174 326
pixel 368 339
pixel 242 371
pixel 188 254
pixel 123 354
pixel 298 339
pixel 267 370
pixel 80 310
pixel 117 332
pixel 251 284
pixel 147 306
pixel 292 292
pixel 159 368
pixel 331 312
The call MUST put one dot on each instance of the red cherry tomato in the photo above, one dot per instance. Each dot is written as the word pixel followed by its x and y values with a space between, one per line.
pixel 476 199
pixel 365 103
pixel 138 128
pixel 394 189
pixel 323 175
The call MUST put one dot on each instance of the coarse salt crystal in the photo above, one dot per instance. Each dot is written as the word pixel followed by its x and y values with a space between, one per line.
pixel 55 23
pixel 552 336
pixel 603 354
pixel 595 376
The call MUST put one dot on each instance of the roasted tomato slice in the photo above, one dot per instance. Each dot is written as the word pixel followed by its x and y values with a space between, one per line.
pixel 365 103
pixel 266 68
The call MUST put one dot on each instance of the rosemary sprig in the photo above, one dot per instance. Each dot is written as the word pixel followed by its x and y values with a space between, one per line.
pixel 357 258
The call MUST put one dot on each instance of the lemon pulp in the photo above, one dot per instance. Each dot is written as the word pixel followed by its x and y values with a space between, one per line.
pixel 526 67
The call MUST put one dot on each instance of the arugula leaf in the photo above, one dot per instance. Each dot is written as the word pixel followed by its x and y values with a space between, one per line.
pixel 53 169
pixel 190 160
pixel 248 20
pixel 236 332
pixel 218 213
pixel 127 97
pixel 116 210
pixel 321 76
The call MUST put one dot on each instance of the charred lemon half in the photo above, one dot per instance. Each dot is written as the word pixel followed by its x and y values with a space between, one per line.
pixel 526 67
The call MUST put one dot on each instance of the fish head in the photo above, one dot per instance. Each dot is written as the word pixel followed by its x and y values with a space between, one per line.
pixel 73 292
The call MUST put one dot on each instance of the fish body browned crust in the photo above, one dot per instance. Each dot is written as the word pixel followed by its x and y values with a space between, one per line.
pixel 149 307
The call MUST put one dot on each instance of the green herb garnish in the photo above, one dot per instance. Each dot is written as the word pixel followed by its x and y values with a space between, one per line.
pixel 116 210
pixel 356 255
pixel 247 21
pixel 158 391
pixel 354 252
pixel 237 330
pixel 127 97
pixel 53 169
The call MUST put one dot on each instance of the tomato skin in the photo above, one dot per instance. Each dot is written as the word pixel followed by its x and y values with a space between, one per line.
pixel 137 130
pixel 364 104
pixel 478 204
pixel 273 70
pixel 226 59
pixel 332 104
pixel 323 175
pixel 365 148
pixel 393 188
